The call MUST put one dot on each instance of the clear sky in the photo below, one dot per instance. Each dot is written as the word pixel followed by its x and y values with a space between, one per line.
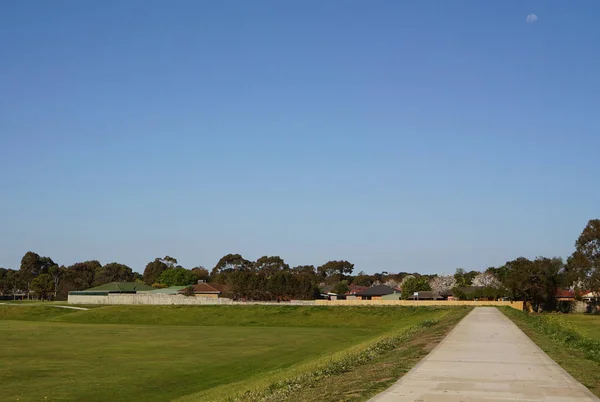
pixel 400 135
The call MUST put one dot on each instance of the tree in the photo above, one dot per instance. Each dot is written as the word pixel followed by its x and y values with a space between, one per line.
pixel 305 287
pixel 14 282
pixel 280 285
pixel 270 265
pixel 414 284
pixel 363 279
pixel 79 276
pixel 486 279
pixel 33 265
pixel 499 273
pixel 42 286
pixel 442 283
pixel 113 272
pixel 464 278
pixel 534 282
pixel 154 269
pixel 56 273
pixel 201 273
pixel 177 277
pixel 4 288
pixel 230 263
pixel 335 270
pixel 308 270
pixel 583 266
pixel 341 288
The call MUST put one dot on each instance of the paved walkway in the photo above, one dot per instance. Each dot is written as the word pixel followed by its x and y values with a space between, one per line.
pixel 486 358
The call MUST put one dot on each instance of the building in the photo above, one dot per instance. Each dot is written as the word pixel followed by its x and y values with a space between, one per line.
pixel 376 292
pixel 354 289
pixel 171 290
pixel 206 290
pixel 425 295
pixel 113 287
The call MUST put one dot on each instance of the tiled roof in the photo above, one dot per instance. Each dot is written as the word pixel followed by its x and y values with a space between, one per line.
pixel 207 288
pixel 355 289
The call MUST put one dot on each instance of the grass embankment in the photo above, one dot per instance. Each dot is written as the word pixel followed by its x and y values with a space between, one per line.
pixel 165 352
pixel 569 339
pixel 356 374
pixel 587 325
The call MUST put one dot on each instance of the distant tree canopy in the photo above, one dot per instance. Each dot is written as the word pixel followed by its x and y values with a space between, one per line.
pixel 113 272
pixel 153 270
pixel 535 282
pixel 270 265
pixel 43 286
pixel 414 284
pixel 230 263
pixel 201 273
pixel 583 266
pixel 177 277
pixel 335 271
pixel 464 278
pixel 33 265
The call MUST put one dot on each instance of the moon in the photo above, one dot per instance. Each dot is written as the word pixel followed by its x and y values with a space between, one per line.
pixel 531 18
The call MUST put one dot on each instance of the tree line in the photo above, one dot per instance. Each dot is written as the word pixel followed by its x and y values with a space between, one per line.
pixel 535 282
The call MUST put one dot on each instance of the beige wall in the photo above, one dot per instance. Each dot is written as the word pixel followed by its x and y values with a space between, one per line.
pixel 164 299
pixel 207 295
pixel 141 298
pixel 516 305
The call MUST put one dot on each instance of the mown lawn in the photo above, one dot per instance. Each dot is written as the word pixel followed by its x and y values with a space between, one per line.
pixel 586 324
pixel 165 352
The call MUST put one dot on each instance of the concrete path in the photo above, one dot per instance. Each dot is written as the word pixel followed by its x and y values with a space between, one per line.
pixel 486 358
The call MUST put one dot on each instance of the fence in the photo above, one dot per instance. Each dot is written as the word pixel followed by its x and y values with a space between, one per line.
pixel 437 303
pixel 165 299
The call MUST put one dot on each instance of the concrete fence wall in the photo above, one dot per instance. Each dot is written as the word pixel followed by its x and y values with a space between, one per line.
pixel 164 299
pixel 437 303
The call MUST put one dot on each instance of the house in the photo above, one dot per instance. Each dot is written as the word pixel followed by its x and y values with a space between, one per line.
pixel 171 290
pixel 328 293
pixel 376 292
pixel 113 287
pixel 564 295
pixel 354 289
pixel 425 295
pixel 206 290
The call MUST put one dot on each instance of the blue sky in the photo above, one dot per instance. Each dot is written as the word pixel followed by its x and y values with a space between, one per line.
pixel 402 136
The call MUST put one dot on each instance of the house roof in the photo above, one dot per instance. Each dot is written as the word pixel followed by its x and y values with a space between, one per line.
pixel 207 288
pixel 425 294
pixel 120 287
pixel 564 293
pixel 378 290
pixel 355 289
pixel 171 290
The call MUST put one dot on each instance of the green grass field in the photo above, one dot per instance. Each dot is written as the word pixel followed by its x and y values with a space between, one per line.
pixel 586 324
pixel 166 352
